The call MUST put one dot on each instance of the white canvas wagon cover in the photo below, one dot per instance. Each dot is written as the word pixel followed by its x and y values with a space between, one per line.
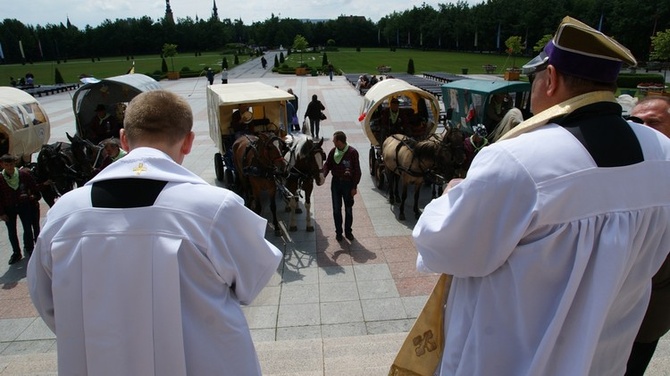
pixel 23 122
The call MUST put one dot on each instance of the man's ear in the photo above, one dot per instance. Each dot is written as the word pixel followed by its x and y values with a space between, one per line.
pixel 552 80
pixel 124 139
pixel 187 144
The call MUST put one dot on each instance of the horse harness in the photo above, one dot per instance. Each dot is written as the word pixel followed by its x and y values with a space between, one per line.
pixel 410 146
pixel 262 170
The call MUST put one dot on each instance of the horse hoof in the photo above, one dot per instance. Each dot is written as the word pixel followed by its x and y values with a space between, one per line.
pixel 298 211
pixel 401 216
pixel 293 228
pixel 310 229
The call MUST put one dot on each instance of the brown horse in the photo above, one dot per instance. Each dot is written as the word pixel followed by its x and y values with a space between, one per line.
pixel 451 138
pixel 412 161
pixel 305 159
pixel 259 163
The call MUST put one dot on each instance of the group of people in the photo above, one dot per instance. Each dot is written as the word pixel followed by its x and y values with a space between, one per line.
pixel 142 292
pixel 27 81
pixel 364 83
pixel 571 244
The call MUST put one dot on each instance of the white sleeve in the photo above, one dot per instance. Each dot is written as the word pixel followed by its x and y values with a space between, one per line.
pixel 473 229
pixel 38 275
pixel 239 251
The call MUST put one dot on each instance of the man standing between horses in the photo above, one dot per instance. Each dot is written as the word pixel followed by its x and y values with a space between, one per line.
pixel 573 220
pixel 343 162
pixel 19 196
pixel 142 271
pixel 653 111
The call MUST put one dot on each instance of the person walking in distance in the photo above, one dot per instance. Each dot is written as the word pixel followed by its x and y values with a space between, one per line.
pixel 313 112
pixel 558 279
pixel 142 271
pixel 343 162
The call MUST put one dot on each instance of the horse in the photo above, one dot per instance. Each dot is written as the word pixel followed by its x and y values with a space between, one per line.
pixel 87 156
pixel 452 138
pixel 259 163
pixel 55 171
pixel 411 161
pixel 305 159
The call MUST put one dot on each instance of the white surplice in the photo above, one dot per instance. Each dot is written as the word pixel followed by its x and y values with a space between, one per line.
pixel 152 290
pixel 552 256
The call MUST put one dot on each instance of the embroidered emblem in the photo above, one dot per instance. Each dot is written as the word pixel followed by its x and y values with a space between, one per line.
pixel 139 169
pixel 424 343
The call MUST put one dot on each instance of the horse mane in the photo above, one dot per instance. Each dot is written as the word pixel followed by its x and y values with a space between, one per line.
pixel 426 150
pixel 303 145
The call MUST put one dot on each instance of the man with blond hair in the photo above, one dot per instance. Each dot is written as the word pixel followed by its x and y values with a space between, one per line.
pixel 142 271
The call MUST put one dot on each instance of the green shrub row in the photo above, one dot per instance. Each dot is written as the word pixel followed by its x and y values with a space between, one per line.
pixel 631 80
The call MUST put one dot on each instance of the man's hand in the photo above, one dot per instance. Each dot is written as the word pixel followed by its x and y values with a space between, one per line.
pixel 452 183
pixel 353 192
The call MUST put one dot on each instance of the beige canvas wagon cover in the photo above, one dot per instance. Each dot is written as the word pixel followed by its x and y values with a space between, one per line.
pixel 222 99
pixel 393 87
pixel 23 122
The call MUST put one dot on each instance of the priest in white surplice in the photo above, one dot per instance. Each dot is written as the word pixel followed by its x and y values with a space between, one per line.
pixel 143 270
pixel 553 237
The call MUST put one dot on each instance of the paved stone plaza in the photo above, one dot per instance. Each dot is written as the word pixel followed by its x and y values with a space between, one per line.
pixel 333 308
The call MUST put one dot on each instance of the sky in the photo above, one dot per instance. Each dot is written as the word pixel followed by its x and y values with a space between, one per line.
pixel 93 12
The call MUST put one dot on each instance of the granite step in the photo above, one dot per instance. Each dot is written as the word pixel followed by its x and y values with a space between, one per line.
pixel 369 355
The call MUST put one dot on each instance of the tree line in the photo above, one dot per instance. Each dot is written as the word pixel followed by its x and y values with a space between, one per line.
pixel 454 26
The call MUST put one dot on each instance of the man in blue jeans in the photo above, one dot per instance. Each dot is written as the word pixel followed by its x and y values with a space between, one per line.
pixel 343 162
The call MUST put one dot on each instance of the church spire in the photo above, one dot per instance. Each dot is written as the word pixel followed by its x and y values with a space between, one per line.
pixel 168 12
pixel 215 13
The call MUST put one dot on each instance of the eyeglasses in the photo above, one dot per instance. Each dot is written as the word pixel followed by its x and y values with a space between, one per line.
pixel 531 75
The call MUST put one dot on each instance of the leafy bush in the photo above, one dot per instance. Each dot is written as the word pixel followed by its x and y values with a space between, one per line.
pixel 185 69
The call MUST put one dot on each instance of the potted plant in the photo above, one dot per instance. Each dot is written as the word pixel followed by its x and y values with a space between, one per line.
pixel 170 50
pixel 514 47
pixel 300 44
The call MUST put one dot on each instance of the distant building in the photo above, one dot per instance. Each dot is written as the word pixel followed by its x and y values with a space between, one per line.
pixel 351 18
pixel 315 20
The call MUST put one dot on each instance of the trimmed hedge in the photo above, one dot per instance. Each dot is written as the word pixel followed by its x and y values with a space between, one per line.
pixel 631 80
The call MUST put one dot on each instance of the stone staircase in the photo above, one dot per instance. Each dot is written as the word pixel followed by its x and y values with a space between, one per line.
pixel 369 355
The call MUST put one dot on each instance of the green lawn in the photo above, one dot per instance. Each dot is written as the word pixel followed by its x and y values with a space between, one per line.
pixel 347 60
pixel 367 61
pixel 108 67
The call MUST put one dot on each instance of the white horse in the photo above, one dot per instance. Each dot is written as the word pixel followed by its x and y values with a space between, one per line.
pixel 305 160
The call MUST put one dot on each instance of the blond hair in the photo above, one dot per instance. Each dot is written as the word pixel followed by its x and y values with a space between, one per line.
pixel 158 116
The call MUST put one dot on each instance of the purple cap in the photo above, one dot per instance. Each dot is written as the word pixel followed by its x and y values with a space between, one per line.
pixel 581 51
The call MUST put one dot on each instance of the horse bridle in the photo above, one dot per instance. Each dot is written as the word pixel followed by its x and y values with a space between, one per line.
pixel 269 164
